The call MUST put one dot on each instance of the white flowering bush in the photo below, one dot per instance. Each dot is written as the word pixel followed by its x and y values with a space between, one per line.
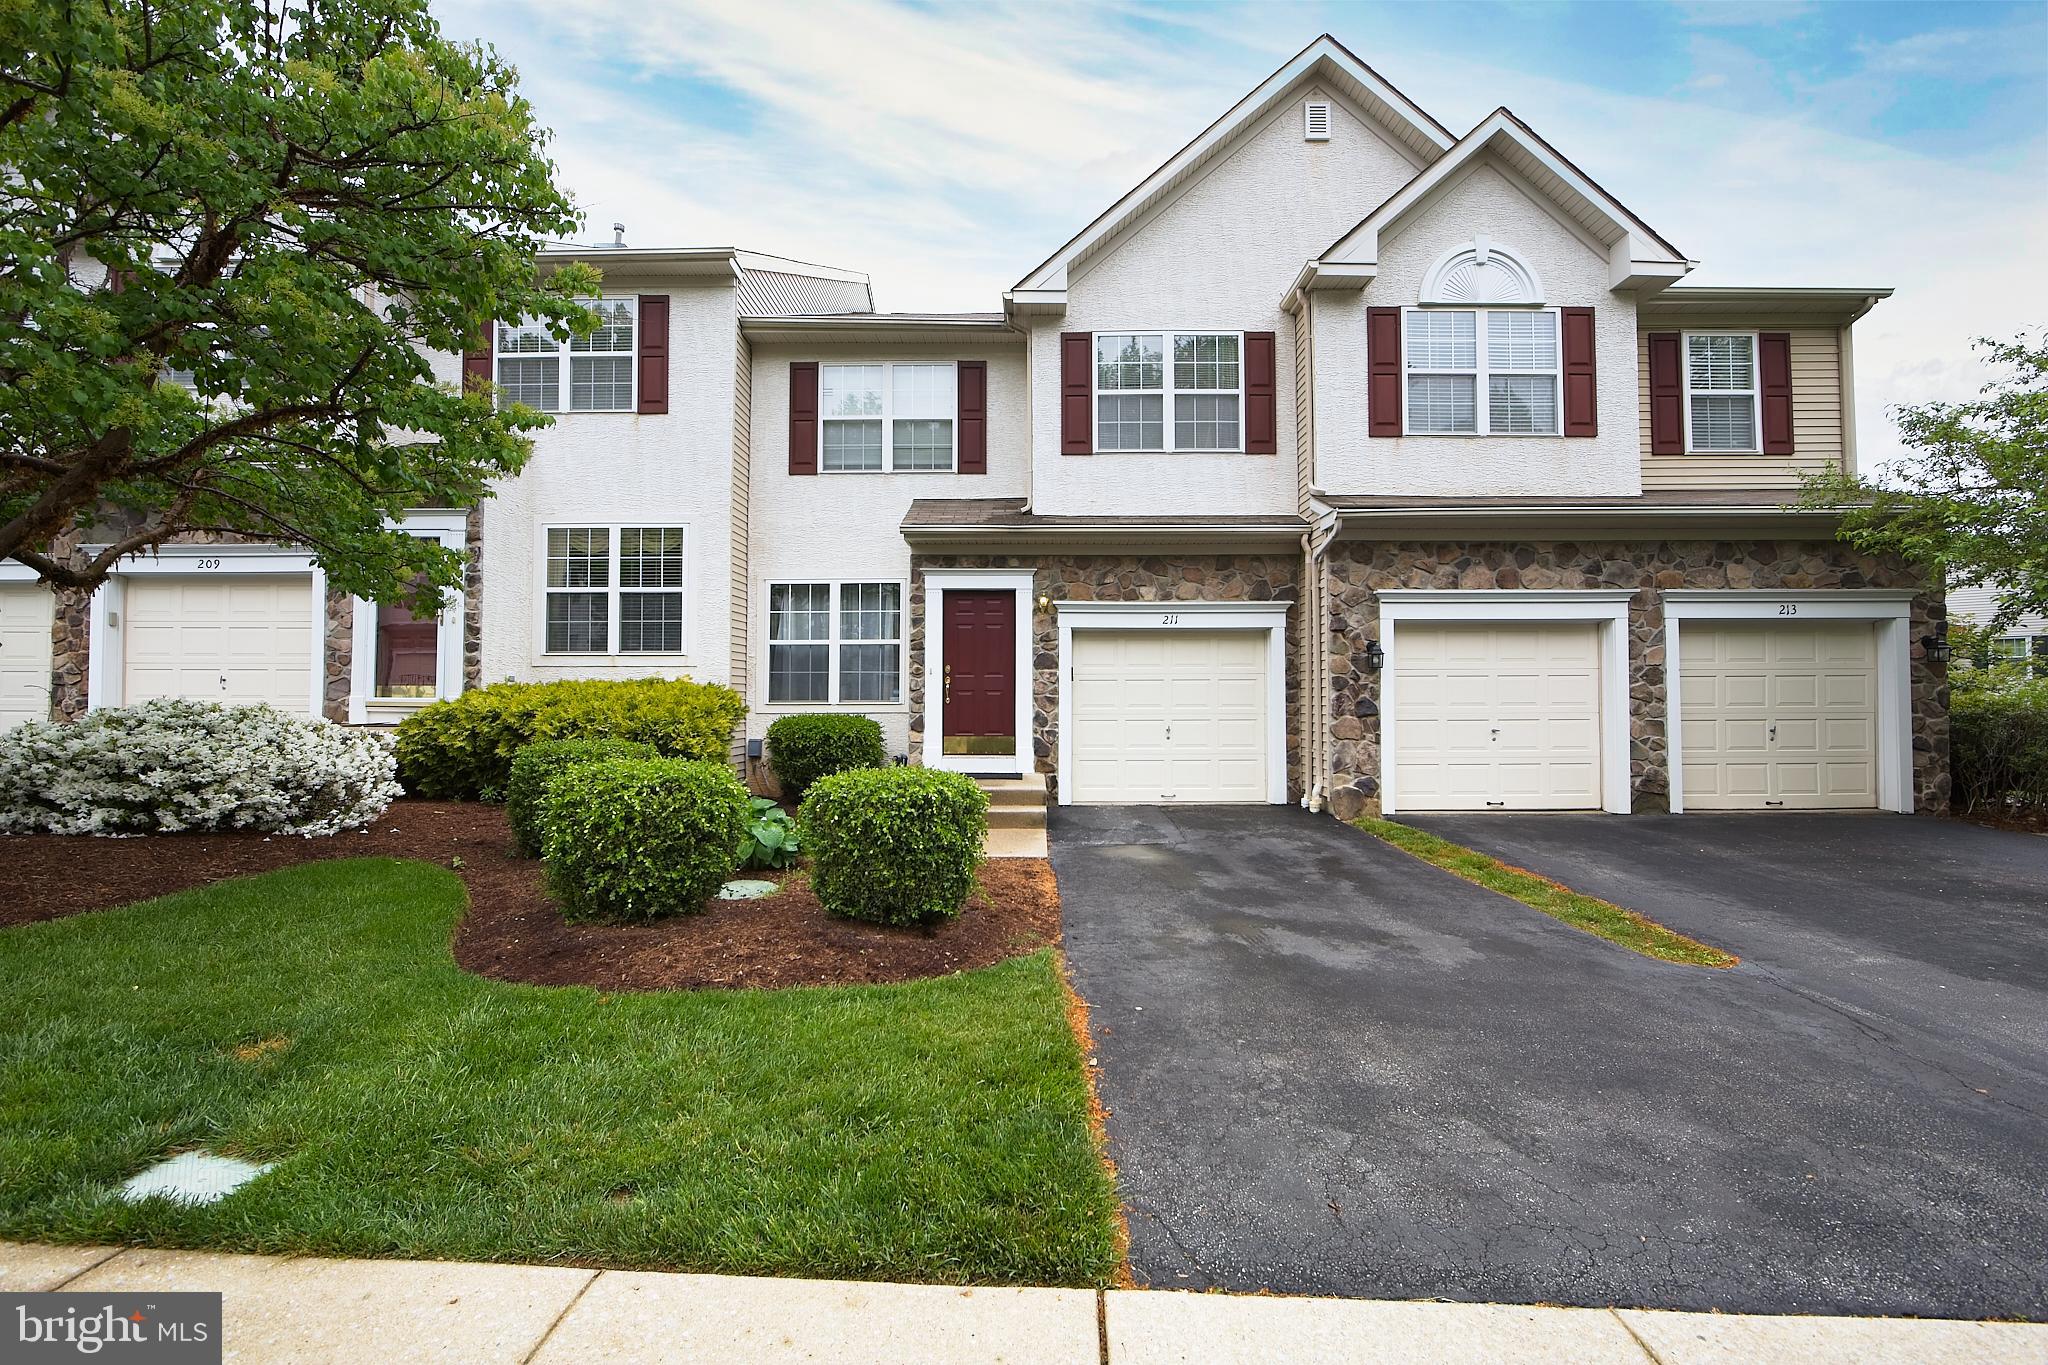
pixel 168 766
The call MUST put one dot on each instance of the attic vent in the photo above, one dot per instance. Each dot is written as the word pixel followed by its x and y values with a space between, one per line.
pixel 1315 121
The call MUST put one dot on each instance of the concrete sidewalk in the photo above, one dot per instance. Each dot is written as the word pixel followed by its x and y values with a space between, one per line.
pixel 305 1309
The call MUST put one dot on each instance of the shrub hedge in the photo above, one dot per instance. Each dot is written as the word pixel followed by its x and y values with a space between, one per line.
pixel 462 749
pixel 1998 736
pixel 639 838
pixel 802 749
pixel 538 764
pixel 162 767
pixel 894 845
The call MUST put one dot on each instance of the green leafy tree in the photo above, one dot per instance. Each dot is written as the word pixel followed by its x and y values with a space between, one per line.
pixel 1972 501
pixel 294 202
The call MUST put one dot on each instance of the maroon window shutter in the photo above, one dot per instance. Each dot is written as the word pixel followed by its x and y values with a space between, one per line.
pixel 1774 369
pixel 1261 417
pixel 476 361
pixel 1667 395
pixel 971 414
pixel 1383 371
pixel 1077 393
pixel 654 353
pixel 1579 390
pixel 803 416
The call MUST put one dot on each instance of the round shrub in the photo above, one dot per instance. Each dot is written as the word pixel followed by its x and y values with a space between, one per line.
pixel 894 845
pixel 802 749
pixel 538 764
pixel 639 838
pixel 462 749
pixel 163 767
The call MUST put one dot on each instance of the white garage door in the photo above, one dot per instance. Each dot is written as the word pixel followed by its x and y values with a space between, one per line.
pixel 1162 715
pixel 1778 715
pixel 25 613
pixel 228 638
pixel 1496 717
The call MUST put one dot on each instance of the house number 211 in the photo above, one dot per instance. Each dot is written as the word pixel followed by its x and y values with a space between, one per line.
pixel 1171 618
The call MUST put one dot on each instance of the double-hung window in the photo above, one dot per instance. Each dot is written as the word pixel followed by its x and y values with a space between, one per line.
pixel 1721 391
pixel 878 418
pixel 614 590
pixel 835 642
pixel 1169 391
pixel 600 367
pixel 1481 372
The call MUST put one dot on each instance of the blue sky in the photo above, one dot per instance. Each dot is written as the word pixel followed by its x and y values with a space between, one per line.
pixel 946 148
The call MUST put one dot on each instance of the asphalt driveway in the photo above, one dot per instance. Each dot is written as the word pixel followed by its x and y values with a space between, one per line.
pixel 1333 1069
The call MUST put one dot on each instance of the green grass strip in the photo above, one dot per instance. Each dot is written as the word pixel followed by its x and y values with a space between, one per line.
pixel 1611 922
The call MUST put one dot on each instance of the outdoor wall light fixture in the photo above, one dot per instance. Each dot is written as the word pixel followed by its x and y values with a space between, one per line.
pixel 1936 646
pixel 1375 657
pixel 1045 601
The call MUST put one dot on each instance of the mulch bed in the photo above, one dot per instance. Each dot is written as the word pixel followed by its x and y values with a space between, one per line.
pixel 513 932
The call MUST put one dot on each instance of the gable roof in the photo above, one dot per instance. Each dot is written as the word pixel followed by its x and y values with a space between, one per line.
pixel 1408 125
pixel 1638 256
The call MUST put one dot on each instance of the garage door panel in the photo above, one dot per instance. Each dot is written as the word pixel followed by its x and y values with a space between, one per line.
pixel 239 638
pixel 1500 717
pixel 1129 687
pixel 1797 729
pixel 26 614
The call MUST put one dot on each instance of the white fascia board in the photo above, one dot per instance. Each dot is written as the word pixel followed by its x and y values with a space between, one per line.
pixel 1351 275
pixel 1629 267
pixel 1036 300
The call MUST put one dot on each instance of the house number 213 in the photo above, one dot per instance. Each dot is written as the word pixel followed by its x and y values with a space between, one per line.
pixel 1788 609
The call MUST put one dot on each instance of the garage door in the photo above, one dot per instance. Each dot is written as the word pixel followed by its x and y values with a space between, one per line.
pixel 1496 717
pixel 1168 716
pixel 1778 715
pixel 25 613
pixel 239 638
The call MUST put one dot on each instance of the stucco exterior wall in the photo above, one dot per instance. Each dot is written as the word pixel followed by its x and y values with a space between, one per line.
pixel 1488 198
pixel 819 527
pixel 1221 256
pixel 606 468
pixel 1358 571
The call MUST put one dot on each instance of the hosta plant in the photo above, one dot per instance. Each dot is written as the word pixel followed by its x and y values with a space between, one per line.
pixel 771 840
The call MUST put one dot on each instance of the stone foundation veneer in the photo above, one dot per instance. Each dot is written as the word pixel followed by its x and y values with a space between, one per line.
pixel 1358 569
pixel 1115 578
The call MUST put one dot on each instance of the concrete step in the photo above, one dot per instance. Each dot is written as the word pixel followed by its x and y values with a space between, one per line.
pixel 1014 791
pixel 1016 817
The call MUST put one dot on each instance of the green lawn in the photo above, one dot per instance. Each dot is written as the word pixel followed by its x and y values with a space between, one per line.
pixel 314 1017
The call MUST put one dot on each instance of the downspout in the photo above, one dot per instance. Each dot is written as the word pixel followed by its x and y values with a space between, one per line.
pixel 1315 546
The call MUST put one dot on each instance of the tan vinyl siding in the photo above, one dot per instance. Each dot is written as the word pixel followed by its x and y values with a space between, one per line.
pixel 741 608
pixel 1817 437
pixel 1304 408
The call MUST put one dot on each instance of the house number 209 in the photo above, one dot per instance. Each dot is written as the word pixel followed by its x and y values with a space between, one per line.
pixel 1171 618
pixel 1788 609
pixel 207 563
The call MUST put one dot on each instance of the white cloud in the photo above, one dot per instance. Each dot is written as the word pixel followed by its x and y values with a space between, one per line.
pixel 946 150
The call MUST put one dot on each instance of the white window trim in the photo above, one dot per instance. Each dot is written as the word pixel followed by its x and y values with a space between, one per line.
pixel 1481 374
pixel 1269 617
pixel 1755 393
pixel 1605 608
pixel 1167 392
pixel 564 380
pixel 832 642
pixel 451 531
pixel 888 420
pixel 937 583
pixel 1889 610
pixel 542 655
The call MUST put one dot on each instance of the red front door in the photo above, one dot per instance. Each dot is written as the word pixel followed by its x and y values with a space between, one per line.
pixel 979 689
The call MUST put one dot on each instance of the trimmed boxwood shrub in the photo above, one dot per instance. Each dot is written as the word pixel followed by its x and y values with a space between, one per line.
pixel 462 749
pixel 802 749
pixel 538 764
pixel 894 845
pixel 1998 738
pixel 639 838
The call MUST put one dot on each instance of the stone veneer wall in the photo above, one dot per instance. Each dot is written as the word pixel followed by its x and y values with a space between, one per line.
pixel 1116 578
pixel 473 602
pixel 1358 569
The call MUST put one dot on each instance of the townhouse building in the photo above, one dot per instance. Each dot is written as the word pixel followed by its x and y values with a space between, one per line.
pixel 1344 460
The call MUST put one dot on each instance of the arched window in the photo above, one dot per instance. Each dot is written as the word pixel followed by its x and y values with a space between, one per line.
pixel 1479 273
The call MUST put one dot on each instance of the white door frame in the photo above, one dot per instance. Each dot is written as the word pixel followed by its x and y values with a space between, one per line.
pixel 1889 610
pixel 104 678
pixel 1270 617
pixel 937 582
pixel 451 529
pixel 1605 608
